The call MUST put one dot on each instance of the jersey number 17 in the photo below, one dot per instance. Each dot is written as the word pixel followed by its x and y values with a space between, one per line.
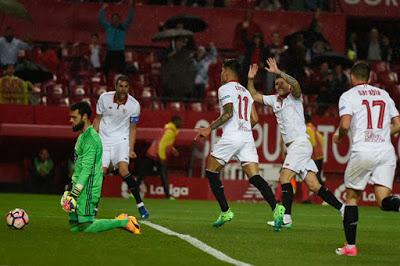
pixel 381 105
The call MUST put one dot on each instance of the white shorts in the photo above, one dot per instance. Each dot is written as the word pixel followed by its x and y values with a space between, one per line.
pixel 225 150
pixel 298 158
pixel 115 153
pixel 374 167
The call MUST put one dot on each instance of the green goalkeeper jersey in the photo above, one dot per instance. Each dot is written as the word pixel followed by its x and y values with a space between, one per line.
pixel 88 171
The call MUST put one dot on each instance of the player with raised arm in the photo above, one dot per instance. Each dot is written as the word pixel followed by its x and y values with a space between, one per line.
pixel 288 108
pixel 237 118
pixel 82 199
pixel 117 114
pixel 371 116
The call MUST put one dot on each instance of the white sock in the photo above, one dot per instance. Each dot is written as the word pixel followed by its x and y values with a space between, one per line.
pixel 287 218
pixel 351 246
pixel 140 204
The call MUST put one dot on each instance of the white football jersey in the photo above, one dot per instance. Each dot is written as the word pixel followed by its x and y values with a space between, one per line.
pixel 116 119
pixel 372 111
pixel 239 126
pixel 289 114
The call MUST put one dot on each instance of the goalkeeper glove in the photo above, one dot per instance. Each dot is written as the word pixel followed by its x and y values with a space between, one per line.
pixel 68 200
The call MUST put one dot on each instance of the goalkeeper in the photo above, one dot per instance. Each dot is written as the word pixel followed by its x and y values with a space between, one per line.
pixel 81 202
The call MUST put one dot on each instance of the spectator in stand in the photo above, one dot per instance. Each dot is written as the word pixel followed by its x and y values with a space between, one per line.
pixel 177 71
pixel 338 85
pixel 48 58
pixel 42 172
pixel 13 90
pixel 115 38
pixel 352 47
pixel 315 33
pixel 255 54
pixel 10 47
pixel 295 58
pixel 156 158
pixel 202 62
pixel 95 51
pixel 274 50
pixel 247 27
pixel 372 49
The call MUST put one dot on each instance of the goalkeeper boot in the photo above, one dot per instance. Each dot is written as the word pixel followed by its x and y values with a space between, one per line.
pixel 346 250
pixel 132 225
pixel 143 212
pixel 279 212
pixel 223 218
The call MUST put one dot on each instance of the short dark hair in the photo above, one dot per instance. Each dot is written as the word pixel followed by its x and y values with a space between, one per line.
pixel 361 71
pixel 83 108
pixel 176 119
pixel 232 64
pixel 121 78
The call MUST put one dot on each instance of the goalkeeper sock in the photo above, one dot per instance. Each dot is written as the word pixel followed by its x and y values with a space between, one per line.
pixel 104 225
pixel 133 187
pixel 264 188
pixel 350 221
pixel 391 203
pixel 287 197
pixel 328 197
pixel 218 189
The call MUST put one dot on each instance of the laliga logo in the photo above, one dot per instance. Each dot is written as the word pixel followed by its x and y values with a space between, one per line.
pixel 175 191
pixel 340 193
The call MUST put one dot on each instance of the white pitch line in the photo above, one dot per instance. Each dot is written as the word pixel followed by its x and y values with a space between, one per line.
pixel 198 244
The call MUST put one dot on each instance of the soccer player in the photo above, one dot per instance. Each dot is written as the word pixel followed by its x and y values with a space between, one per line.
pixel 237 118
pixel 81 202
pixel 288 108
pixel 368 113
pixel 117 114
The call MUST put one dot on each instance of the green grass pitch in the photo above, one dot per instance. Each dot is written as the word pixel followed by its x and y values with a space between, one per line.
pixel 317 231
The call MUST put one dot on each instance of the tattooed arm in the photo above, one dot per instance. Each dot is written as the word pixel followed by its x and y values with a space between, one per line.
pixel 227 114
pixel 273 68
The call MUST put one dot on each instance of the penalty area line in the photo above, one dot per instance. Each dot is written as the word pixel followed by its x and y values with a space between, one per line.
pixel 197 244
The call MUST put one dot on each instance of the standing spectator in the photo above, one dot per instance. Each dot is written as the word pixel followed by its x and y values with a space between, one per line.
pixel 202 62
pixel 274 50
pixel 372 49
pixel 10 47
pixel 247 27
pixel 255 54
pixel 156 158
pixel 115 38
pixel 48 58
pixel 338 85
pixel 177 71
pixel 42 172
pixel 95 52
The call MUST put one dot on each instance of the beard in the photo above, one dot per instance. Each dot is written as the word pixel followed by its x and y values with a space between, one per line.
pixel 78 127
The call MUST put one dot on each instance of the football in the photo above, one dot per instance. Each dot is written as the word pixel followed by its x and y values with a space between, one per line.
pixel 17 219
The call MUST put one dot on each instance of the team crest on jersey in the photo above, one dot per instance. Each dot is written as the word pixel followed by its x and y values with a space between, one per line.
pixel 124 111
pixel 109 107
